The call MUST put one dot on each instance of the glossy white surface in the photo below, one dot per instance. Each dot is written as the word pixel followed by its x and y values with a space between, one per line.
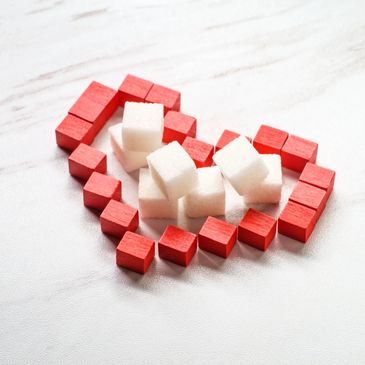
pixel 297 65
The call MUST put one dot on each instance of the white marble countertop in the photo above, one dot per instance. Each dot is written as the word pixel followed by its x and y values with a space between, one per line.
pixel 298 65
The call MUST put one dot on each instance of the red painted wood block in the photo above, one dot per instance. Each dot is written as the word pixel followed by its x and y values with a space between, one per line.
pixel 217 237
pixel 177 126
pixel 309 196
pixel 318 176
pixel 133 89
pixel 296 152
pixel 96 105
pixel 226 137
pixel 84 160
pixel 257 229
pixel 72 131
pixel 297 221
pixel 163 95
pixel 100 189
pixel 135 252
pixel 117 218
pixel 269 140
pixel 177 245
pixel 200 152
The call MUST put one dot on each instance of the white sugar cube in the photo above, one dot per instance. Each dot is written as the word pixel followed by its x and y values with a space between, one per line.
pixel 208 198
pixel 241 165
pixel 269 190
pixel 153 203
pixel 142 126
pixel 173 170
pixel 130 160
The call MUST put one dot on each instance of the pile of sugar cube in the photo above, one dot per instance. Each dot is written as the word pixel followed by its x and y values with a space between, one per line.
pixel 155 138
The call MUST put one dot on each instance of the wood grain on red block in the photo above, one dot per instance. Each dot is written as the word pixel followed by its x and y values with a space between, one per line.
pixel 297 152
pixel 226 137
pixel 117 218
pixel 217 237
pixel 135 252
pixel 177 245
pixel 84 160
pixel 200 152
pixel 163 95
pixel 269 140
pixel 100 189
pixel 72 131
pixel 297 221
pixel 134 89
pixel 177 126
pixel 96 105
pixel 257 229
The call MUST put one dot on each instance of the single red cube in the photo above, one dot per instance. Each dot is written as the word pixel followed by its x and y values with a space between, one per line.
pixel 72 131
pixel 297 221
pixel 318 176
pixel 133 89
pixel 226 137
pixel 84 160
pixel 117 218
pixel 177 126
pixel 257 229
pixel 217 237
pixel 296 152
pixel 269 140
pixel 100 189
pixel 96 105
pixel 135 252
pixel 200 152
pixel 177 245
pixel 163 95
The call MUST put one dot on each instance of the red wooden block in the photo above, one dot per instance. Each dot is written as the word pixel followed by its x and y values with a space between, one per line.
pixel 177 126
pixel 163 95
pixel 227 137
pixel 100 189
pixel 72 131
pixel 297 221
pixel 84 160
pixel 257 229
pixel 134 89
pixel 217 237
pixel 296 152
pixel 269 140
pixel 96 105
pixel 309 196
pixel 135 252
pixel 117 218
pixel 200 152
pixel 177 245
pixel 318 176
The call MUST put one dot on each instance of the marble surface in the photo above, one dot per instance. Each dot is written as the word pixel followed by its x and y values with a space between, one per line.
pixel 298 65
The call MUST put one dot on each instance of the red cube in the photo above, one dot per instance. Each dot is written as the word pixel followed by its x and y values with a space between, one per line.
pixel 133 89
pixel 84 160
pixel 117 218
pixel 200 152
pixel 163 95
pixel 257 229
pixel 72 131
pixel 135 252
pixel 100 189
pixel 297 221
pixel 217 237
pixel 269 140
pixel 177 126
pixel 227 137
pixel 177 245
pixel 296 152
pixel 96 105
